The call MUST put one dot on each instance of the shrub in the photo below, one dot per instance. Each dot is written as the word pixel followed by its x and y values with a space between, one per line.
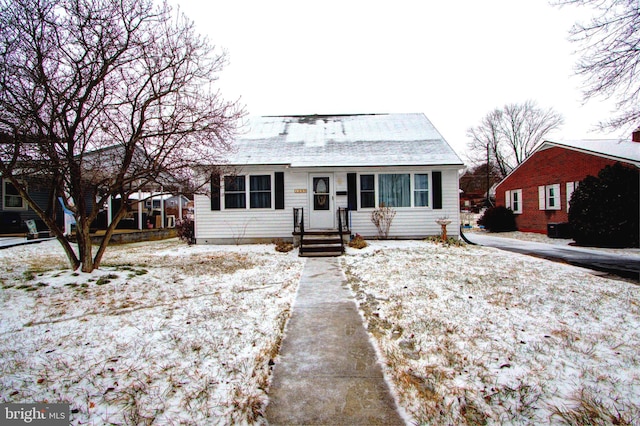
pixel 498 219
pixel 186 230
pixel 604 210
pixel 450 242
pixel 382 218
pixel 283 246
pixel 358 242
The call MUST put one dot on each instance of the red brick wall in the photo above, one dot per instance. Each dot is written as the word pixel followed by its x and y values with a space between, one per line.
pixel 547 167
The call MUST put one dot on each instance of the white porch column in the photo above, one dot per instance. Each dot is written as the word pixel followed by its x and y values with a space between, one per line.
pixel 162 205
pixel 180 205
pixel 152 195
pixel 139 209
pixel 109 210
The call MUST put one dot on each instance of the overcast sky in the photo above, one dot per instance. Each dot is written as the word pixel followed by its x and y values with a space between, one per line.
pixel 454 61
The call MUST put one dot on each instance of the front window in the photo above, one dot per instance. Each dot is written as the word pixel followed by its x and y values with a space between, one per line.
pixel 367 191
pixel 549 197
pixel 395 190
pixel 553 197
pixel 516 201
pixel 234 192
pixel 260 192
pixel 11 199
pixel 421 190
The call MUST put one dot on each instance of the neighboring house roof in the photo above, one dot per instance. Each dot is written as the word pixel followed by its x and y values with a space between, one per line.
pixel 342 140
pixel 616 149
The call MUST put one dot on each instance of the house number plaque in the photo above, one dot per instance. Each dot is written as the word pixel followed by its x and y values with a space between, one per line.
pixel 300 191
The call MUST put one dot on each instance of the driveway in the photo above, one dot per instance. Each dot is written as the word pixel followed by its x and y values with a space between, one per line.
pixel 624 265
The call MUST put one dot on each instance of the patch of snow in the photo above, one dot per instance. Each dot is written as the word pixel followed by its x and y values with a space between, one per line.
pixel 162 332
pixel 473 334
pixel 174 334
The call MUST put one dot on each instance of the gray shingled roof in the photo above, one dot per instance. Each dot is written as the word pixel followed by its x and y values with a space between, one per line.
pixel 343 140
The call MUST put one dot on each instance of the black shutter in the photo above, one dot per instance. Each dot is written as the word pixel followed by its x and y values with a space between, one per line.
pixel 279 186
pixel 215 191
pixel 352 192
pixel 436 178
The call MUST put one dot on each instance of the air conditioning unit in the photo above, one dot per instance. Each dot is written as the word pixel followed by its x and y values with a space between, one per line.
pixel 559 230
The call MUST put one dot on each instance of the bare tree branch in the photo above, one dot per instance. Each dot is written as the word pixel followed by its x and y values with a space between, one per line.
pixel 101 97
pixel 506 137
pixel 609 45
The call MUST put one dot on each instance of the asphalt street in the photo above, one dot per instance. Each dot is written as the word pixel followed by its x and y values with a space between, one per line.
pixel 627 266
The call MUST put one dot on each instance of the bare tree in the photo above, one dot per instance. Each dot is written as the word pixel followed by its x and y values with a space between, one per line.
pixel 506 137
pixel 99 98
pixel 478 181
pixel 609 45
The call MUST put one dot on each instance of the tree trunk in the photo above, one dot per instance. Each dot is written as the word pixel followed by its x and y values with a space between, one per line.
pixel 73 259
pixel 84 246
pixel 108 233
pixel 49 220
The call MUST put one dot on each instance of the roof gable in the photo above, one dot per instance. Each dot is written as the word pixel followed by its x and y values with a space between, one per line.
pixel 342 140
pixel 615 149
pixel 625 151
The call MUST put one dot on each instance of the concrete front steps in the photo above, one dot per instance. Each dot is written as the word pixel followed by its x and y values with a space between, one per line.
pixel 321 244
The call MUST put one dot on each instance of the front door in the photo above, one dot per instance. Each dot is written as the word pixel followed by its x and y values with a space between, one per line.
pixel 322 214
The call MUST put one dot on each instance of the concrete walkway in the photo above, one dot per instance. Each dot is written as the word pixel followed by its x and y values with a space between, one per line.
pixel 327 371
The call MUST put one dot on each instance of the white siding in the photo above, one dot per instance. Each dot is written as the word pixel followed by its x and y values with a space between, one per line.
pixel 251 225
pixel 417 222
pixel 247 225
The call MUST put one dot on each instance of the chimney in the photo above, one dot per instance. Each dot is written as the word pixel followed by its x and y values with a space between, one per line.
pixel 635 136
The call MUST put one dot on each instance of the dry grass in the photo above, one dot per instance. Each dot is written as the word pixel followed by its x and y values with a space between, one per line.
pixel 169 338
pixel 472 336
pixel 587 409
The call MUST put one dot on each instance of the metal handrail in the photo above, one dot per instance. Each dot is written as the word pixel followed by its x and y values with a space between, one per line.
pixel 343 224
pixel 298 224
pixel 343 219
pixel 340 230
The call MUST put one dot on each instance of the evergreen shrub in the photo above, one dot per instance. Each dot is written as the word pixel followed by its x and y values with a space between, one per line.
pixel 498 219
pixel 604 210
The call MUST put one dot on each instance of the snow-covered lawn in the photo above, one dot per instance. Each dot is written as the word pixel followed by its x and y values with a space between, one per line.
pixel 473 335
pixel 170 334
pixel 163 333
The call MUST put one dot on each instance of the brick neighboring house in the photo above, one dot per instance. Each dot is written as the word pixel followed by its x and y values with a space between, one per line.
pixel 539 189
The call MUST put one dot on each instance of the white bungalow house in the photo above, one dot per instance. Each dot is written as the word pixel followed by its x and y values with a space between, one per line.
pixel 316 173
